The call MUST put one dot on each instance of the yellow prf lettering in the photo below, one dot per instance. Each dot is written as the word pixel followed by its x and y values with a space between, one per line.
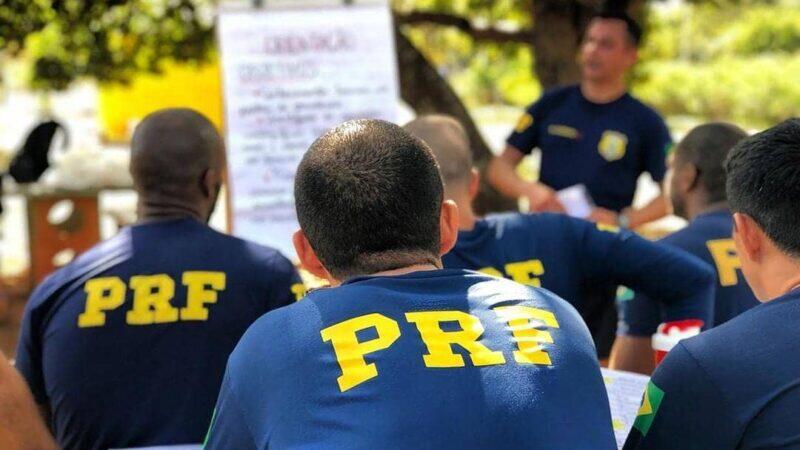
pixel 102 294
pixel 440 342
pixel 727 260
pixel 299 290
pixel 151 300
pixel 201 288
pixel 526 272
pixel 522 321
pixel 350 353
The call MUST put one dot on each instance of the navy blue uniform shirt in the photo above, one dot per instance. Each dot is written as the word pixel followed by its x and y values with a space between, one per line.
pixel 427 360
pixel 127 345
pixel 708 237
pixel 577 259
pixel 603 146
pixel 736 386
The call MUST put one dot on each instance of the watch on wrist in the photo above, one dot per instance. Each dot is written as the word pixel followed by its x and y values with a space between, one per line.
pixel 623 220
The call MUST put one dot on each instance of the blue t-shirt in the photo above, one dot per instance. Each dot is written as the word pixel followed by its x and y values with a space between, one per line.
pixel 577 259
pixel 127 345
pixel 708 237
pixel 603 146
pixel 736 386
pixel 430 359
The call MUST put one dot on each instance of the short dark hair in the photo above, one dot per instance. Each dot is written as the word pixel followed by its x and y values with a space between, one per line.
pixel 764 183
pixel 449 143
pixel 171 149
pixel 368 196
pixel 706 147
pixel 633 28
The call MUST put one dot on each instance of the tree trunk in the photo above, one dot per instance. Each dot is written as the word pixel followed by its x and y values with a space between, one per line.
pixel 427 92
pixel 558 29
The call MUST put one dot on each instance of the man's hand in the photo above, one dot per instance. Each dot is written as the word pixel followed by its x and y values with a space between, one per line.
pixel 604 216
pixel 542 198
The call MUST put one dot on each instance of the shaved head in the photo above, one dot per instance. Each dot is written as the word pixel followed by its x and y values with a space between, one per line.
pixel 449 143
pixel 177 157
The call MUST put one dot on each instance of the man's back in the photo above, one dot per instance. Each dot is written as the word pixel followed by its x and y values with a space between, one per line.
pixel 736 386
pixel 583 263
pixel 127 345
pixel 431 359
pixel 708 237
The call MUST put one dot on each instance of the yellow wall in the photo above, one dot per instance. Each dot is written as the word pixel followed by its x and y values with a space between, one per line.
pixel 196 87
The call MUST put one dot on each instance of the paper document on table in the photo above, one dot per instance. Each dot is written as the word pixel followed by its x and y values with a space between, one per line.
pixel 625 391
pixel 576 201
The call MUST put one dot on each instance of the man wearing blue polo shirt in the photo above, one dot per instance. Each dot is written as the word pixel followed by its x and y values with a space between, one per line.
pixel 696 187
pixel 126 346
pixel 595 134
pixel 398 353
pixel 737 386
pixel 568 256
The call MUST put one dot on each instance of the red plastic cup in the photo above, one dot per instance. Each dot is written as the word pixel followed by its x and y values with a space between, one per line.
pixel 669 334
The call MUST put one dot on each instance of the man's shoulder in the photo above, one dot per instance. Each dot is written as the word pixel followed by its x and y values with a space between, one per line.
pixel 100 258
pixel 276 336
pixel 552 98
pixel 748 337
pixel 251 252
pixel 644 112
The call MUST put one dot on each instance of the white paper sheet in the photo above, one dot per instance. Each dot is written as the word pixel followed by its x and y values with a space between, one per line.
pixel 289 75
pixel 576 201
pixel 625 391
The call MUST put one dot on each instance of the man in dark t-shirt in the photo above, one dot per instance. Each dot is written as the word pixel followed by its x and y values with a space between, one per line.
pixel 126 346
pixel 737 386
pixel 593 134
pixel 568 256
pixel 697 192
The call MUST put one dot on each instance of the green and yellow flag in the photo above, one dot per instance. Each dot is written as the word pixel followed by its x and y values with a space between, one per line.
pixel 647 412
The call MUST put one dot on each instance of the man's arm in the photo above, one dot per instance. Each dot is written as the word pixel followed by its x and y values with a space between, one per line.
pixel 656 209
pixel 502 174
pixel 682 283
pixel 21 426
pixel 682 408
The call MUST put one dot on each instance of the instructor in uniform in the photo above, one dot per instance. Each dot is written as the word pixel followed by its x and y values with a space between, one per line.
pixel 595 134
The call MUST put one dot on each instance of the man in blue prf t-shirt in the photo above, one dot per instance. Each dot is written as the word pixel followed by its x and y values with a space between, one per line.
pixel 126 346
pixel 400 354
pixel 568 256
pixel 697 192
pixel 737 386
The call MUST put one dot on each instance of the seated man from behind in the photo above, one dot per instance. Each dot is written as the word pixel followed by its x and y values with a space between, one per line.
pixel 696 188
pixel 399 353
pixel 126 346
pixel 737 386
pixel 571 257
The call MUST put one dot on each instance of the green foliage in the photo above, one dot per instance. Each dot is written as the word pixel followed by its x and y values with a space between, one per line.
pixel 112 40
pixel 723 63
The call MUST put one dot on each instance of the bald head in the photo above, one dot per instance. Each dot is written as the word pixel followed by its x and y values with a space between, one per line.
pixel 449 143
pixel 177 156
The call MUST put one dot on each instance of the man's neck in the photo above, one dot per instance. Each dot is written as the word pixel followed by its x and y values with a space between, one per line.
pixel 466 215
pixel 780 277
pixel 603 91
pixel 694 209
pixel 150 210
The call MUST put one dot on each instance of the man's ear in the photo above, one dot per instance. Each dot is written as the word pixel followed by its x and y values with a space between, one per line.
pixel 748 236
pixel 474 183
pixel 308 258
pixel 688 178
pixel 448 226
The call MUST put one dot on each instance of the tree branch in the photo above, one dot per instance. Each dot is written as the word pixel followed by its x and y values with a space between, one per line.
pixel 480 33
